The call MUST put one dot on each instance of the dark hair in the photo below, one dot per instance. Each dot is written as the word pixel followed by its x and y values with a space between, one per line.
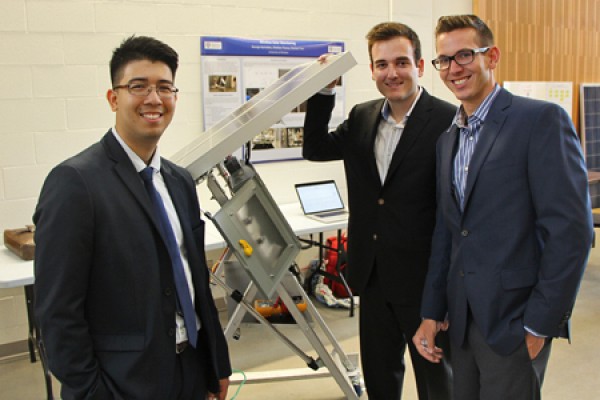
pixel 453 22
pixel 136 48
pixel 389 30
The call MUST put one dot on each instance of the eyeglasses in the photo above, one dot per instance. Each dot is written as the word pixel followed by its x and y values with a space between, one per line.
pixel 463 57
pixel 164 90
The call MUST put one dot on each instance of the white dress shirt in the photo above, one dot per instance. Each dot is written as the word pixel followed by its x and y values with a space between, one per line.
pixel 159 184
pixel 389 133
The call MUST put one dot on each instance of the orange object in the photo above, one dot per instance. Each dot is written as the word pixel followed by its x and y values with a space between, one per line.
pixel 268 308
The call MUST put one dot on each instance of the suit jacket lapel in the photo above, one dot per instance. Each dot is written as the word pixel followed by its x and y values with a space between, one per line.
pixel 178 197
pixel 180 202
pixel 126 171
pixel 416 124
pixel 447 166
pixel 371 123
pixel 489 132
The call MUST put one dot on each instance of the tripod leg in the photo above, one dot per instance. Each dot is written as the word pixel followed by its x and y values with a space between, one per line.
pixel 335 369
pixel 237 296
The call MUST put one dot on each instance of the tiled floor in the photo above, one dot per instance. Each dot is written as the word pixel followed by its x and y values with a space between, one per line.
pixel 572 372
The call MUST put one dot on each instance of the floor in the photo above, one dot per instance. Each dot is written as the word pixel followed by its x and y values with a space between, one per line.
pixel 570 373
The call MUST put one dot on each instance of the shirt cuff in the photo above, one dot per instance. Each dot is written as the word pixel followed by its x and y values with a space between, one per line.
pixel 534 333
pixel 327 91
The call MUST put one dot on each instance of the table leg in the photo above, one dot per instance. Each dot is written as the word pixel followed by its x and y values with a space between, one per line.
pixel 35 343
pixel 31 322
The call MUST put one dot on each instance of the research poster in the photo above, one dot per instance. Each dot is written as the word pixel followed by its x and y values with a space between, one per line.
pixel 560 93
pixel 235 69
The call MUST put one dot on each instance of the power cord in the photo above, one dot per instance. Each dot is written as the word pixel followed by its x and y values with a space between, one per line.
pixel 241 383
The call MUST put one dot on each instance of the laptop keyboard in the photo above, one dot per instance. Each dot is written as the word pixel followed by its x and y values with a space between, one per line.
pixel 331 213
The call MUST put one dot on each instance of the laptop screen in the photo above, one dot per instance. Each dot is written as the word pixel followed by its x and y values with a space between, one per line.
pixel 316 197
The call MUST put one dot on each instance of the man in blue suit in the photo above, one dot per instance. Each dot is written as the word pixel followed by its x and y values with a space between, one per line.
pixel 113 277
pixel 513 227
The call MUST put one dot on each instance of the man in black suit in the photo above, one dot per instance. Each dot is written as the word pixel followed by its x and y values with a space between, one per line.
pixel 388 148
pixel 108 300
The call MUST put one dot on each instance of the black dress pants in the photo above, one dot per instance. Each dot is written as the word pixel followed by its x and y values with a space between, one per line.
pixel 190 374
pixel 482 374
pixel 386 330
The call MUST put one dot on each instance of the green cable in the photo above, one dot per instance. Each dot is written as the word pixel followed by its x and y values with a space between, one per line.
pixel 241 383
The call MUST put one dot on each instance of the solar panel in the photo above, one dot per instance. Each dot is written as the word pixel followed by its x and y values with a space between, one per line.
pixel 590 130
pixel 259 113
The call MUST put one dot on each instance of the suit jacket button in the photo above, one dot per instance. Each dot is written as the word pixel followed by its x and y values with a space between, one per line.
pixel 168 291
pixel 465 233
pixel 171 332
pixel 381 202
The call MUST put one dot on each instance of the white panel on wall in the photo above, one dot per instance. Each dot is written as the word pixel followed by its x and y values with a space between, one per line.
pixel 2 185
pixel 444 7
pixel 90 49
pixel 23 182
pixel 88 113
pixel 16 82
pixel 239 21
pixel 31 49
pixel 117 17
pixel 13 16
pixel 71 81
pixel 60 16
pixel 14 315
pixel 16 149
pixel 27 116
pixel 16 213
pixel 177 19
pixel 54 147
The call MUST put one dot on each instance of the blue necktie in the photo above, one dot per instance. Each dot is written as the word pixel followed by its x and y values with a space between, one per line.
pixel 183 292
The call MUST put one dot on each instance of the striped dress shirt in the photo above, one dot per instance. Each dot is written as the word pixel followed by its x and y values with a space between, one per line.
pixel 469 130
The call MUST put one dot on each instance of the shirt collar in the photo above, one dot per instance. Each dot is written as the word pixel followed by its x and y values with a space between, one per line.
pixel 138 163
pixel 462 120
pixel 385 110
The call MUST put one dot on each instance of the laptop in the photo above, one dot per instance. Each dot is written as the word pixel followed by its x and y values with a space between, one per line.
pixel 321 201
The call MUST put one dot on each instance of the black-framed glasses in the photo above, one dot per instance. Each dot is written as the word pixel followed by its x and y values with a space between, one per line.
pixel 463 57
pixel 141 89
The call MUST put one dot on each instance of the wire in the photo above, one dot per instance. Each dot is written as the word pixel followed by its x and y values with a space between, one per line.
pixel 248 152
pixel 241 383
pixel 214 267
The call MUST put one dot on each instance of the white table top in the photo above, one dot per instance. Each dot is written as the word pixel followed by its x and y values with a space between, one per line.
pixel 302 225
pixel 15 272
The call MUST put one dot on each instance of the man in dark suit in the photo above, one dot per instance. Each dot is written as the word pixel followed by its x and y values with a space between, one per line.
pixel 112 316
pixel 388 148
pixel 514 225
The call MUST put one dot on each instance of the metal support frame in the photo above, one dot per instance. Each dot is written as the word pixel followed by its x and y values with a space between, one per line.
pixel 250 221
pixel 252 217
pixel 339 365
